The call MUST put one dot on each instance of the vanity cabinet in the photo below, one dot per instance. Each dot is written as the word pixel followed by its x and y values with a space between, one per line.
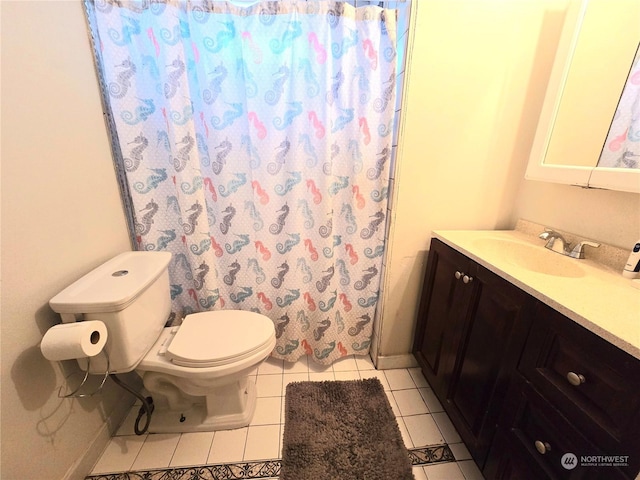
pixel 532 439
pixel 471 328
pixel 523 384
pixel 572 392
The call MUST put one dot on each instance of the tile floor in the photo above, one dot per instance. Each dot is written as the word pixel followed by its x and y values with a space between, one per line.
pixel 420 417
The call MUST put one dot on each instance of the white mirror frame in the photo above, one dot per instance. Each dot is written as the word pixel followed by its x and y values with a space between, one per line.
pixel 622 179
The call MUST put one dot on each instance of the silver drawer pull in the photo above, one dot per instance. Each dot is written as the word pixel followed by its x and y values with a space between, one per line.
pixel 542 447
pixel 575 379
pixel 458 275
pixel 467 279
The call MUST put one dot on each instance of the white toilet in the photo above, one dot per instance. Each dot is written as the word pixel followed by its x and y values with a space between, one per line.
pixel 197 373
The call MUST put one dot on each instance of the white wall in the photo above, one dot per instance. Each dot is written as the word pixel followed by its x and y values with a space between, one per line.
pixel 61 216
pixel 476 84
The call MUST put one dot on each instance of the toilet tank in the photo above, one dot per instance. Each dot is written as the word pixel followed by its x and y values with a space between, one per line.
pixel 130 294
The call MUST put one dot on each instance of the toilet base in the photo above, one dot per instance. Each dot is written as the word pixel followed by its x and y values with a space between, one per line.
pixel 197 419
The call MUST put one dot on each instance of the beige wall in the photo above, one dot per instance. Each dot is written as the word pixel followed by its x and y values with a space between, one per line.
pixel 61 216
pixel 475 89
pixel 603 215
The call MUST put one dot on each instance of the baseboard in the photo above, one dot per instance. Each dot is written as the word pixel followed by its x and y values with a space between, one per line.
pixel 388 362
pixel 82 467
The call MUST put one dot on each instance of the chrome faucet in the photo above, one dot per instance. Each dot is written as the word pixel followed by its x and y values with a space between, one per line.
pixel 578 250
pixel 557 243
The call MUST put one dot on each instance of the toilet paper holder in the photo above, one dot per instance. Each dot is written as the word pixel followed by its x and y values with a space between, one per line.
pixel 78 391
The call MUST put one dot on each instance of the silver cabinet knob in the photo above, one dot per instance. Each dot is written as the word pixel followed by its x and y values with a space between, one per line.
pixel 459 275
pixel 542 447
pixel 575 379
pixel 467 279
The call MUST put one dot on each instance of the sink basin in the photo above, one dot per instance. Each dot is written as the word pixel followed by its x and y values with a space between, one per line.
pixel 531 257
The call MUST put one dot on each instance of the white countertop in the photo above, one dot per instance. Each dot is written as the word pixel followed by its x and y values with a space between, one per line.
pixel 591 294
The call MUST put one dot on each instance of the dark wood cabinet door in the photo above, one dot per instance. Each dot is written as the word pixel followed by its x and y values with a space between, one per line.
pixel 534 440
pixel 595 384
pixel 507 461
pixel 444 301
pixel 495 331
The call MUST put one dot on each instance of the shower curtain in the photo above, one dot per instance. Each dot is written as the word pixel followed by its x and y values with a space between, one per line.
pixel 255 145
pixel 622 146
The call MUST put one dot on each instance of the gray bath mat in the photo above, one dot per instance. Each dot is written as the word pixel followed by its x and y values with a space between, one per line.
pixel 342 430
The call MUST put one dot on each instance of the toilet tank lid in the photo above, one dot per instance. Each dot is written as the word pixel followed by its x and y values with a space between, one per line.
pixel 113 285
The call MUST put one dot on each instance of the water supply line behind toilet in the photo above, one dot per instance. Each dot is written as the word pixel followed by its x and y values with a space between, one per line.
pixel 146 408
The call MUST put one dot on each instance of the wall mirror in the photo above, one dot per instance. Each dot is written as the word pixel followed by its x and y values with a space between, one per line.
pixel 596 58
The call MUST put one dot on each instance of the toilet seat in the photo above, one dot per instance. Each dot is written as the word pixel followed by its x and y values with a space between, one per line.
pixel 212 339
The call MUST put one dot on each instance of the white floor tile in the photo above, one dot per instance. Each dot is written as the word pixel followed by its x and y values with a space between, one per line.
pixel 268 411
pixel 418 377
pixel 431 400
pixel 410 402
pixel 443 471
pixel 345 364
pixel 349 375
pixel 321 376
pixel 364 362
pixel 406 438
pixel 193 449
pixel 228 446
pixel 271 366
pixel 423 430
pixel 283 411
pixel 269 385
pixel 470 470
pixel 263 438
pixel 301 366
pixel 288 378
pixel 446 427
pixel 262 442
pixel 460 451
pixel 399 379
pixel 418 473
pixel 157 451
pixel 318 368
pixel 392 402
pixel 120 454
pixel 376 374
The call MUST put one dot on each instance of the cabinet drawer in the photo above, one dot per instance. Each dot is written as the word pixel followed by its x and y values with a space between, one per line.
pixel 509 461
pixel 534 437
pixel 593 383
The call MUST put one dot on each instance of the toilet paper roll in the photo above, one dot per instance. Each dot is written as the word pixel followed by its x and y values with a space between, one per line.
pixel 74 340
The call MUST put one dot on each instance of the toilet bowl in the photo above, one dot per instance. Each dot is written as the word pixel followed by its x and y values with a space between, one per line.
pixel 198 373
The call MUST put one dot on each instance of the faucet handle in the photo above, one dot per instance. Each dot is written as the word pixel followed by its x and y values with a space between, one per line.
pixel 559 246
pixel 578 250
pixel 549 233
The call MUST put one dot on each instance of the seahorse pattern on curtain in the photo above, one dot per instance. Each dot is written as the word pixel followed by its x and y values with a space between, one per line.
pixel 256 143
pixel 622 146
